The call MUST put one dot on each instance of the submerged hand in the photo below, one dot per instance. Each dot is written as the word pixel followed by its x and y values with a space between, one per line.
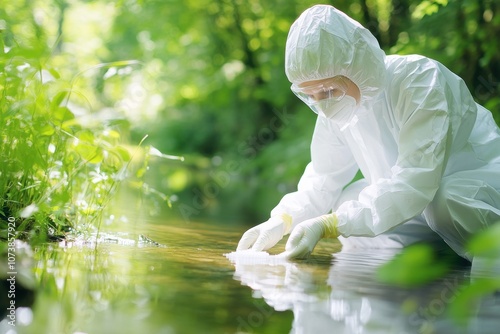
pixel 267 234
pixel 307 234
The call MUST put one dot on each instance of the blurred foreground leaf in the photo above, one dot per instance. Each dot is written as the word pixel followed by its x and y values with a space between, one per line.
pixel 466 302
pixel 484 247
pixel 486 243
pixel 416 265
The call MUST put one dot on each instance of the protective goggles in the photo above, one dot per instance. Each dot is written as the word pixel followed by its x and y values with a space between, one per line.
pixel 332 88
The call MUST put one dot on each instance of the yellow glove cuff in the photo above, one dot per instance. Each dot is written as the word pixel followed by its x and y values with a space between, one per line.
pixel 287 221
pixel 330 222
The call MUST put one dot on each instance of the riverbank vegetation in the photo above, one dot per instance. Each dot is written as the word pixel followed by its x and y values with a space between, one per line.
pixel 64 147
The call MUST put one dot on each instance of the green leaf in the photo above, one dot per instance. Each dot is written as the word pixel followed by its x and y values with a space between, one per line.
pixel 58 98
pixel 63 114
pixel 122 152
pixel 90 153
pixel 415 265
pixel 54 73
pixel 47 130
pixel 486 243
pixel 462 308
pixel 86 136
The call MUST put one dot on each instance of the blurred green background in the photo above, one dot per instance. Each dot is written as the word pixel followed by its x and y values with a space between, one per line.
pixel 209 82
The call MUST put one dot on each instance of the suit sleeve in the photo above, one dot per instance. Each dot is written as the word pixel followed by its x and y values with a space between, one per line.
pixel 331 168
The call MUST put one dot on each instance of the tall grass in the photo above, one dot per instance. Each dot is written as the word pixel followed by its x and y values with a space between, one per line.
pixel 59 164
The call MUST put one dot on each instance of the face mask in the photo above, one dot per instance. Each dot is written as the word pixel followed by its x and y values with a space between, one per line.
pixel 336 110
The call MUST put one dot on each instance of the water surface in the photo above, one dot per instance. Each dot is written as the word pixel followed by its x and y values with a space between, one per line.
pixel 185 284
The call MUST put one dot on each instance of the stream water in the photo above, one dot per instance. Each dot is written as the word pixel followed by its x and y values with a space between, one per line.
pixel 183 283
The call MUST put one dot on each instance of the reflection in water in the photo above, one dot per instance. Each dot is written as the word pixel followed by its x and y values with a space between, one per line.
pixel 350 300
pixel 173 278
pixel 156 278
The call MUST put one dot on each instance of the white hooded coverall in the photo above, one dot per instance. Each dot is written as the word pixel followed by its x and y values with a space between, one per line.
pixel 429 154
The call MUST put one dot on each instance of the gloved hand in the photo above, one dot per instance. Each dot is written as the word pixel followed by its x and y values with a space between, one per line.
pixel 307 234
pixel 267 234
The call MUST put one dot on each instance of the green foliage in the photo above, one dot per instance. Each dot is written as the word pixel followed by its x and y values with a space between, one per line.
pixel 55 169
pixel 485 244
pixel 419 264
pixel 469 297
pixel 61 160
pixel 416 265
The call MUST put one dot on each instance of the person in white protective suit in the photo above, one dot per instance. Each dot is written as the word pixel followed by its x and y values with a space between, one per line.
pixel 429 154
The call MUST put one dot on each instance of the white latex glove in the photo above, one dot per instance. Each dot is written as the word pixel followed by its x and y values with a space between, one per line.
pixel 267 234
pixel 307 234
